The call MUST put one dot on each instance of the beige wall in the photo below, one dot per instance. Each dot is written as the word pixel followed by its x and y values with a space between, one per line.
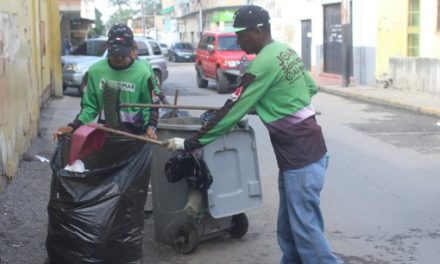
pixel 391 33
pixel 30 73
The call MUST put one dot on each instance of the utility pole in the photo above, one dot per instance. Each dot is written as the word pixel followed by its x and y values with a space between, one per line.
pixel 346 41
pixel 154 19
pixel 200 18
pixel 143 17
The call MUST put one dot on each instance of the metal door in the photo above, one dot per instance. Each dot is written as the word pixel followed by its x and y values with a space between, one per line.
pixel 332 39
pixel 306 43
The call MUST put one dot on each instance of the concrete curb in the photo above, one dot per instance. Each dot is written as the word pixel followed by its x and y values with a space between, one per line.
pixel 427 110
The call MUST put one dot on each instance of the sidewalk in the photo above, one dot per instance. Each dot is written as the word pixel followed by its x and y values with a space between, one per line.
pixel 409 100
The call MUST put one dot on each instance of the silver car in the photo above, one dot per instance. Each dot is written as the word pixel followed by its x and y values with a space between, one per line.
pixel 92 50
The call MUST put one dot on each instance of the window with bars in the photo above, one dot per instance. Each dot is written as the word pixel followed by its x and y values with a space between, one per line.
pixel 413 27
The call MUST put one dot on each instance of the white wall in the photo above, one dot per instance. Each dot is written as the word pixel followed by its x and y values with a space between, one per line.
pixel 88 9
pixel 364 38
pixel 364 23
pixel 286 16
pixel 429 37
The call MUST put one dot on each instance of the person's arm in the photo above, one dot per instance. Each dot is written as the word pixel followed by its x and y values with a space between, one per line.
pixel 225 118
pixel 83 85
pixel 313 88
pixel 162 97
pixel 156 86
pixel 229 114
pixel 89 103
pixel 88 113
pixel 159 92
pixel 151 114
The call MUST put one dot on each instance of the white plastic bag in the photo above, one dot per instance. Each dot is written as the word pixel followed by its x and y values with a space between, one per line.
pixel 77 166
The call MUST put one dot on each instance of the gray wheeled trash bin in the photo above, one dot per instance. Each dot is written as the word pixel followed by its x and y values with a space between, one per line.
pixel 232 160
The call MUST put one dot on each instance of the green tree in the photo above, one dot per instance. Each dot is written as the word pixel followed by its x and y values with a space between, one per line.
pixel 119 3
pixel 99 29
pixel 121 16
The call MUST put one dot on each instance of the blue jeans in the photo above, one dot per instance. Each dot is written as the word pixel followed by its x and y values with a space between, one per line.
pixel 300 227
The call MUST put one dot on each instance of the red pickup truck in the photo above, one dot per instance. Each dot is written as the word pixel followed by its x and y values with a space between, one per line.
pixel 220 59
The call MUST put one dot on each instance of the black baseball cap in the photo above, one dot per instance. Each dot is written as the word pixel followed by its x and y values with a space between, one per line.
pixel 120 40
pixel 250 16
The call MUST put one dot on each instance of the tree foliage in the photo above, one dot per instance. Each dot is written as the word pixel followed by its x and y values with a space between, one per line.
pixel 121 16
pixel 99 29
pixel 129 9
pixel 119 3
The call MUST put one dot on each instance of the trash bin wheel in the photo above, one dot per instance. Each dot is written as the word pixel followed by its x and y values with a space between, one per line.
pixel 186 239
pixel 239 225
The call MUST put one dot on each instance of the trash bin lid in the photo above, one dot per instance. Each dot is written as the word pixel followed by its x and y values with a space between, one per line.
pixel 233 162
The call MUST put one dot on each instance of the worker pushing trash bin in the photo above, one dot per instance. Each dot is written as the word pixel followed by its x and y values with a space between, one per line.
pixel 183 215
pixel 99 185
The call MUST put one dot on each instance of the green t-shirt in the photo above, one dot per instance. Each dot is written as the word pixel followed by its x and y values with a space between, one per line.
pixel 136 83
pixel 278 88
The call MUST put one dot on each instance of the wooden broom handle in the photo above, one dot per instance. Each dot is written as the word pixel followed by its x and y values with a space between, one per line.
pixel 130 135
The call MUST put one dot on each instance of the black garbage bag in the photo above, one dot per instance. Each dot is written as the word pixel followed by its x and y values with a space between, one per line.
pixel 97 216
pixel 190 166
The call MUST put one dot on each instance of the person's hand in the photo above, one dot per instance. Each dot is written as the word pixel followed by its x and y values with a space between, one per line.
pixel 61 131
pixel 174 144
pixel 151 133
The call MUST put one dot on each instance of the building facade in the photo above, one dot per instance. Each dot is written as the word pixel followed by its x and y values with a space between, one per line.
pixel 195 16
pixel 398 39
pixel 379 32
pixel 77 18
pixel 409 44
pixel 314 29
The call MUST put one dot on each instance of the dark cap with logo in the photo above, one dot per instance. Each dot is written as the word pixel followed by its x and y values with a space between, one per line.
pixel 120 40
pixel 250 16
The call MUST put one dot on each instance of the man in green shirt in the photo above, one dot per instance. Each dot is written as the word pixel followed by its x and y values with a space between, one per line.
pixel 135 81
pixel 279 89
